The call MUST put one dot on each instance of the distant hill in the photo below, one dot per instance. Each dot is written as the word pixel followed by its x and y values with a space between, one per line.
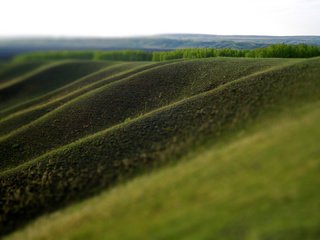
pixel 12 46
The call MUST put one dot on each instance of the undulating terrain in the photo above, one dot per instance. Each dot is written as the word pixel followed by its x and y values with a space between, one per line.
pixel 215 148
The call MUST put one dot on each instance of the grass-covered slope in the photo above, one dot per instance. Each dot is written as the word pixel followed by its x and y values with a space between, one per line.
pixel 206 110
pixel 262 184
pixel 110 68
pixel 9 72
pixel 32 110
pixel 41 82
pixel 114 103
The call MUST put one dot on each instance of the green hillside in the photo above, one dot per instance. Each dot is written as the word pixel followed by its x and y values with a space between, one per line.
pixel 11 71
pixel 114 103
pixel 44 81
pixel 259 185
pixel 24 113
pixel 226 148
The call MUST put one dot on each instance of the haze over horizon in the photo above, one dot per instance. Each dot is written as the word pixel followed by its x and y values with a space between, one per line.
pixel 123 18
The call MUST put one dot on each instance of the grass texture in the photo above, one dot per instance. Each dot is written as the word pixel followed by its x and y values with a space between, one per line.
pixel 101 123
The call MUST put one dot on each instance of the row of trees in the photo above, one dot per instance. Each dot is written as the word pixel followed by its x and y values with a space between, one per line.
pixel 123 55
pixel 198 53
pixel 55 55
pixel 285 51
pixel 272 51
pixel 116 55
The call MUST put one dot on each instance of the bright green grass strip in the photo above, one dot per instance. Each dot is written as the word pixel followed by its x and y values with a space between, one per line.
pixel 263 185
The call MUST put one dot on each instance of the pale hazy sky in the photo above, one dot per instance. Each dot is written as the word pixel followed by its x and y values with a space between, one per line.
pixel 145 17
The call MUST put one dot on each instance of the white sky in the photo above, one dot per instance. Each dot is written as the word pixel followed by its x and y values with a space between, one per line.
pixel 145 17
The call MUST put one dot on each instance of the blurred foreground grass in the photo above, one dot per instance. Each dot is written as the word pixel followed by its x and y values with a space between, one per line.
pixel 263 184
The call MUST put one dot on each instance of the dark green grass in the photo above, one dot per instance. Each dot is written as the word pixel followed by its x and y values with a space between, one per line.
pixel 120 73
pixel 20 78
pixel 56 98
pixel 45 81
pixel 262 184
pixel 121 100
pixel 3 64
pixel 40 106
pixel 12 70
pixel 55 92
pixel 89 165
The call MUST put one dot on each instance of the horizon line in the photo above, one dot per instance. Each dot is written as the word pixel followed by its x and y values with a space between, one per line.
pixel 39 36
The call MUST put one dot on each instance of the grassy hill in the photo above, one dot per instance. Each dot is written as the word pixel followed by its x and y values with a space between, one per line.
pixel 41 82
pixel 243 131
pixel 11 71
pixel 19 115
pixel 261 184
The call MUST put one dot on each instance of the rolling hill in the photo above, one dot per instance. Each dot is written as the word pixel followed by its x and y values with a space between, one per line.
pixel 226 147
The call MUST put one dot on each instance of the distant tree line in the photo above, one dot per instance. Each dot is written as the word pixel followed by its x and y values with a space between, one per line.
pixel 55 55
pixel 198 53
pixel 272 51
pixel 285 51
pixel 123 55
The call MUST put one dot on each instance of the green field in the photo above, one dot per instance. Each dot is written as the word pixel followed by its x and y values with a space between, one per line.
pixel 212 148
